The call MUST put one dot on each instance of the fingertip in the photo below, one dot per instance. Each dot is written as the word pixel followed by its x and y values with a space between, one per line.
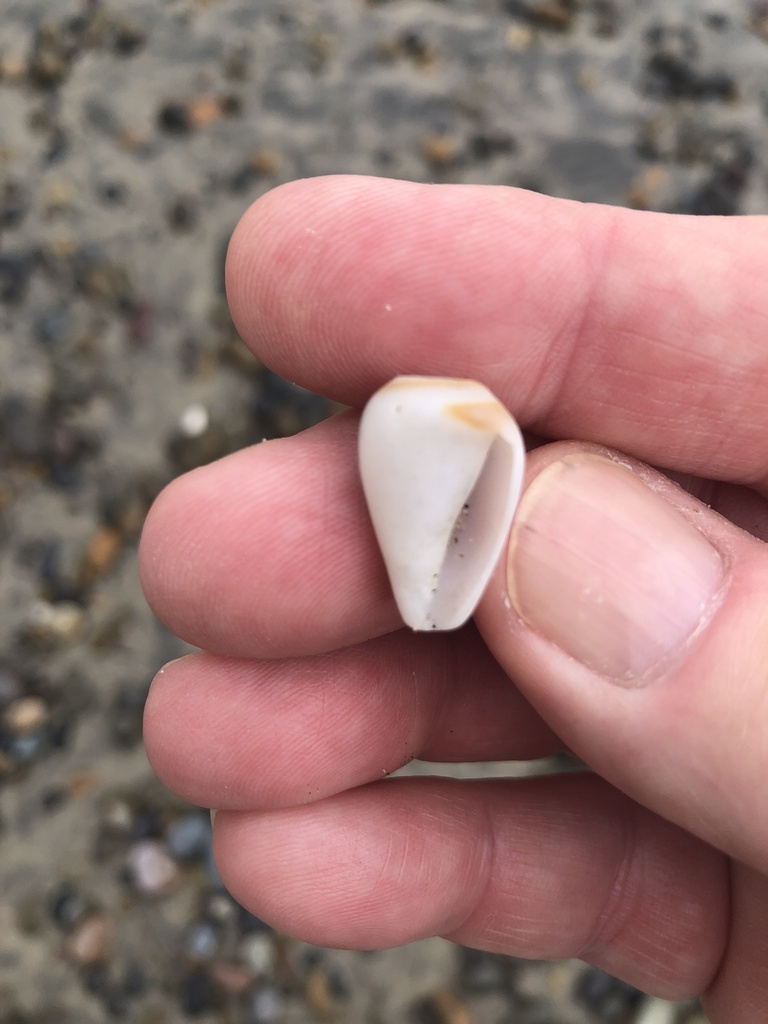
pixel 161 716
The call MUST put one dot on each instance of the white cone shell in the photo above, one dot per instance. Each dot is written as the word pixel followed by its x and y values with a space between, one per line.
pixel 441 462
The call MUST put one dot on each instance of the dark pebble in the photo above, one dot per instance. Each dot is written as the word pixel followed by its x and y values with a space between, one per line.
pixel 113 192
pixel 189 447
pixel 721 194
pixel 338 985
pixel 231 104
pixel 30 747
pixel 15 271
pixel 148 823
pixel 607 996
pixel 116 1005
pixel 97 980
pixel 134 982
pixel 140 321
pixel 126 714
pixel 189 837
pixel 441 1007
pixel 68 907
pixel 174 118
pixel 606 18
pixel 99 279
pixel 183 214
pixel 58 146
pixel 13 206
pixel 53 798
pixel 480 971
pixel 196 993
pixel 59 732
pixel 128 39
pixel 248 922
pixel 416 47
pixel 54 326
pixel 49 62
pixel 551 15
pixel 11 687
pixel 101 117
pixel 60 571
pixel 484 146
pixel 283 408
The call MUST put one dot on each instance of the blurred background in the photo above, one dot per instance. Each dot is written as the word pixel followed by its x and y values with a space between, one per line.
pixel 132 137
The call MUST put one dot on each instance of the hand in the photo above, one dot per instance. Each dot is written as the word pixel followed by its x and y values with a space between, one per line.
pixel 628 621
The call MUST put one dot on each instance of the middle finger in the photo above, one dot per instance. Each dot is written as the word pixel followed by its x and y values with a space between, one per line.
pixel 236 734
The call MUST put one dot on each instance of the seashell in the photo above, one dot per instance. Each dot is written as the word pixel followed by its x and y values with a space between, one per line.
pixel 441 462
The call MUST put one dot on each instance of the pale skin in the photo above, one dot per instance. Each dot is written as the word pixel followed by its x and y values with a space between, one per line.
pixel 627 622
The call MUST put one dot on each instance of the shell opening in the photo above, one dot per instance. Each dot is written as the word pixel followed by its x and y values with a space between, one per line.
pixel 476 540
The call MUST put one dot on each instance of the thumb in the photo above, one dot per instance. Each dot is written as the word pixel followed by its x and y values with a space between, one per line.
pixel 635 619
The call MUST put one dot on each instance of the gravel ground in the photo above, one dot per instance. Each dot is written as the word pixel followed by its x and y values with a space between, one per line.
pixel 132 137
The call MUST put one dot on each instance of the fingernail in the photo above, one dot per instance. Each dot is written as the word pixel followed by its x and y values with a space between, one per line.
pixel 606 569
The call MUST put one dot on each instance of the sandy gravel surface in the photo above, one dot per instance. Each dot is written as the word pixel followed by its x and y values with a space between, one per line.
pixel 132 137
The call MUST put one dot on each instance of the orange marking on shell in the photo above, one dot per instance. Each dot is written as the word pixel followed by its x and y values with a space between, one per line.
pixel 486 416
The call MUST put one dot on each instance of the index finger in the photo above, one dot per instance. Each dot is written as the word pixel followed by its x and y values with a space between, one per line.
pixel 641 331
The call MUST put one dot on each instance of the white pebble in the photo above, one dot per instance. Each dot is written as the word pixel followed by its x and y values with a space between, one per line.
pixel 194 421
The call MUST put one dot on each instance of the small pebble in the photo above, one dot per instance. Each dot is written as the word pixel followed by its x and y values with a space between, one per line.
pixel 153 871
pixel 10 685
pixel 13 68
pixel 54 326
pixel 220 907
pixel 190 836
pixel 266 1006
pixel 127 714
pixel 196 993
pixel 183 214
pixel 657 1011
pixel 134 981
pixel 101 554
pixel 29 747
pixel 52 798
pixel 113 192
pixel 325 993
pixel 147 822
pixel 68 907
pixel 140 322
pixel 197 440
pixel 265 162
pixel 518 36
pixel 13 201
pixel 15 271
pixel 194 421
pixel 443 1007
pixel 128 38
pixel 607 996
pixel 26 715
pixel 481 972
pixel 91 940
pixel 233 977
pixel 440 150
pixel 118 816
pixel 49 624
pixel 257 950
pixel 202 941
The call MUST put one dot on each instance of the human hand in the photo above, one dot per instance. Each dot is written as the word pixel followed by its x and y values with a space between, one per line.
pixel 627 622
